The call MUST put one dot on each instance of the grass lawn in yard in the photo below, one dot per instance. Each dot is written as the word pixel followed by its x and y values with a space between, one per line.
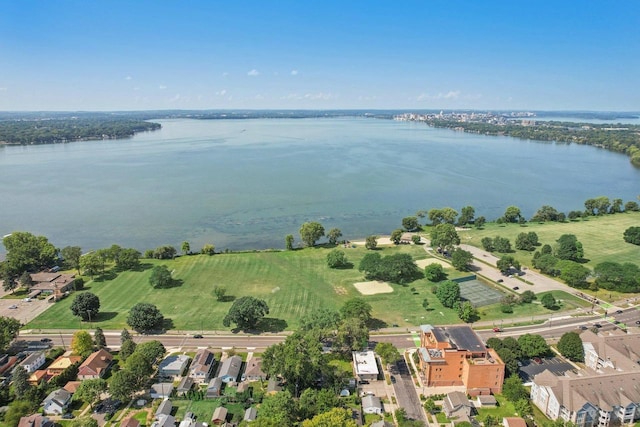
pixel 601 237
pixel 504 409
pixel 565 300
pixel 203 409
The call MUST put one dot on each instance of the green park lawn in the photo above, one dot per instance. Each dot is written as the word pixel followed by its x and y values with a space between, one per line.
pixel 601 237
pixel 293 283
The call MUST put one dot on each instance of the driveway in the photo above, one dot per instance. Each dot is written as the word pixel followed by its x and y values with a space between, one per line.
pixel 406 394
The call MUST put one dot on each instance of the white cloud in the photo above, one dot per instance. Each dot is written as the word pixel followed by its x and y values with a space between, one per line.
pixel 222 92
pixel 367 98
pixel 175 98
pixel 452 94
pixel 136 88
pixel 320 95
pixel 225 74
pixel 3 89
pixel 162 87
pixel 128 78
pixel 258 96
pixel 294 72
pixel 253 73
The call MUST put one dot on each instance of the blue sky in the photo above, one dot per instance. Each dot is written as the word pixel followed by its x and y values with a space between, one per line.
pixel 135 55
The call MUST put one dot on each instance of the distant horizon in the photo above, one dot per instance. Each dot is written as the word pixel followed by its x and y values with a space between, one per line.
pixel 332 55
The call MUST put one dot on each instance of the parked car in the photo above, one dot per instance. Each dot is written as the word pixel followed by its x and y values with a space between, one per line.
pixel 618 311
pixel 515 288
pixel 583 327
pixel 13 307
pixel 26 299
pixel 500 280
pixel 198 336
pixel 497 330
pixel 637 322
pixel 597 325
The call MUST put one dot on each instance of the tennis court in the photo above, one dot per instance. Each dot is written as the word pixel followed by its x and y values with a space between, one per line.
pixel 479 294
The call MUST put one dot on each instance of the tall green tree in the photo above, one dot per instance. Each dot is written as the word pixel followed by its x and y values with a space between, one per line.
pixel 371 242
pixel 99 338
pixel 20 381
pixel 461 259
pixel 356 308
pixel 568 247
pixel 513 389
pixel 92 264
pixel 444 236
pixel 310 232
pixel 82 343
pixel 186 248
pixel 288 240
pixel 512 214
pixel 448 293
pixel 466 215
pixel 126 349
pixel 123 385
pixel 573 273
pixel 160 277
pixel 337 259
pixel 208 249
pixel 246 312
pixel 27 252
pixel 434 272
pixel 352 335
pixel 533 345
pixel 410 223
pixel 467 312
pixel 570 346
pixel 71 256
pixel 388 352
pixel 336 417
pixel 145 317
pixel 280 408
pixel 90 390
pixel 396 236
pixel 548 301
pixel 333 235
pixel 86 305
pixel 9 328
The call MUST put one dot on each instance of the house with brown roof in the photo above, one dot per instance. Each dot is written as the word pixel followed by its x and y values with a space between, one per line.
pixel 130 422
pixel 35 420
pixel 55 284
pixel 95 366
pixel 37 376
pixel 514 422
pixel 253 371
pixel 72 386
pixel 457 356
pixel 62 363
pixel 202 366
pixel 219 415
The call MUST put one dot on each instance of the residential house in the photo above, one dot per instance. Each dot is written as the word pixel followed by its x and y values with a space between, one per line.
pixel 164 408
pixel 57 402
pixel 72 386
pixel 164 421
pixel 35 420
pixel 364 365
pixel 185 385
pixel 33 361
pixel 95 366
pixel 130 422
pixel 38 376
pixel 514 422
pixel 250 414
pixel 274 386
pixel 456 406
pixel 190 421
pixel 214 389
pixel 230 369
pixel 371 405
pixel 486 401
pixel 161 390
pixel 253 370
pixel 55 284
pixel 173 365
pixel 62 363
pixel 219 415
pixel 202 366
pixel 7 363
pixel 457 356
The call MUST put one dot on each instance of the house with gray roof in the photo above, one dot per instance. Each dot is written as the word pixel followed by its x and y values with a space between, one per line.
pixel 230 369
pixel 164 408
pixel 214 389
pixel 57 402
pixel 371 405
pixel 161 390
pixel 33 361
pixel 250 414
pixel 173 365
pixel 456 405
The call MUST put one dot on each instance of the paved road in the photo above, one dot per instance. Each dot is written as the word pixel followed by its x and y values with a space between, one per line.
pixel 406 393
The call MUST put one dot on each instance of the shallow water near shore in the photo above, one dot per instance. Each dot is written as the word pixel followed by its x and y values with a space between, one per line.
pixel 245 184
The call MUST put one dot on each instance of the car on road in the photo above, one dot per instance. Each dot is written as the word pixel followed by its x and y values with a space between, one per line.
pixel 616 322
pixel 497 330
pixel 13 307
pixel 198 336
pixel 45 340
pixel 583 327
pixel 26 299
pixel 515 288
pixel 500 280
pixel 618 311
pixel 393 379
pixel 597 325
pixel 637 322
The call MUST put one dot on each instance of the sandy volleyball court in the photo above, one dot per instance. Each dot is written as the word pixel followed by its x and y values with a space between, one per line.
pixel 374 287
pixel 422 263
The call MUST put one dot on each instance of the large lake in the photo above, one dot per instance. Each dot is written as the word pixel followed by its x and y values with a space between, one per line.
pixel 245 184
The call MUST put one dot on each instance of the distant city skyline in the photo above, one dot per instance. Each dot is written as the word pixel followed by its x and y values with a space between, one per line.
pixel 142 55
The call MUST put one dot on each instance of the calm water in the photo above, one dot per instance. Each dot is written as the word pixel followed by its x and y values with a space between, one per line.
pixel 244 184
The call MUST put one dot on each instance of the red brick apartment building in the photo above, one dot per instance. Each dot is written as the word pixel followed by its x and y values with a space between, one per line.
pixel 456 356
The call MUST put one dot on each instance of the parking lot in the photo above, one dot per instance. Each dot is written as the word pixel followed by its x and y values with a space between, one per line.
pixel 24 311
pixel 529 368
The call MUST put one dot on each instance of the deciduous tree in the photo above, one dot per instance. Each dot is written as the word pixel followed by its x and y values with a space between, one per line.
pixel 288 241
pixel 219 292
pixel 396 236
pixel 533 345
pixel 90 390
pixel 123 384
pixel 410 223
pixel 444 236
pixel 160 277
pixel 371 242
pixel 548 301
pixel 86 305
pixel 388 352
pixel 186 248
pixel 356 308
pixel 82 343
pixel 570 346
pixel 568 247
pixel 333 235
pixel 434 272
pixel 9 328
pixel 208 249
pixel 337 259
pixel 145 317
pixel 99 338
pixel 27 252
pixel 512 214
pixel 448 293
pixel 461 259
pixel 310 232
pixel 246 312
pixel 632 235
pixel 336 417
